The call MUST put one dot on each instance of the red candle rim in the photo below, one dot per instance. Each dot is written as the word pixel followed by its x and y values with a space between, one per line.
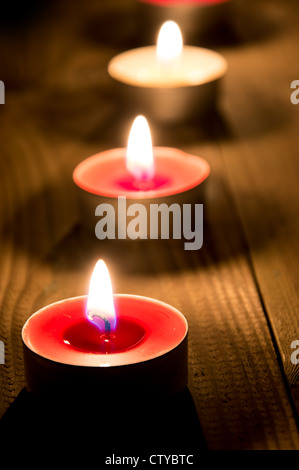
pixel 184 2
pixel 165 328
pixel 181 170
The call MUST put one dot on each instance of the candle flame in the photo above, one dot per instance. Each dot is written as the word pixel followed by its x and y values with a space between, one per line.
pixel 170 42
pixel 139 155
pixel 100 306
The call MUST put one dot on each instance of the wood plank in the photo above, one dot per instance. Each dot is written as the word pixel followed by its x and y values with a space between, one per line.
pixel 263 173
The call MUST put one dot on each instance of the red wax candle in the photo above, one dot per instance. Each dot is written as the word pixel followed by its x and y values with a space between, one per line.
pixel 184 2
pixel 146 349
pixel 105 174
pixel 172 176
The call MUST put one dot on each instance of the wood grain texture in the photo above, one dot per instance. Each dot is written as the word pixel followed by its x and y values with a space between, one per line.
pixel 67 112
pixel 265 180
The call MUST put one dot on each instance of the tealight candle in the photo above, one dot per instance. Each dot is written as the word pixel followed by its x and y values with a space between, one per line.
pixel 106 342
pixel 197 18
pixel 139 173
pixel 169 82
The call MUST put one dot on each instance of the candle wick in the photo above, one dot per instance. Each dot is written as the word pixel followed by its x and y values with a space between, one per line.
pixel 92 315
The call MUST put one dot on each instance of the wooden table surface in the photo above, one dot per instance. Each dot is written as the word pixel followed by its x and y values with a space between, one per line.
pixel 240 292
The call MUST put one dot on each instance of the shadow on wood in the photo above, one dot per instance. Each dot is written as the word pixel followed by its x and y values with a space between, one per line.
pixel 118 425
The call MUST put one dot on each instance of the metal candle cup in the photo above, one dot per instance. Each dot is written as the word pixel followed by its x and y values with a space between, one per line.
pixel 164 102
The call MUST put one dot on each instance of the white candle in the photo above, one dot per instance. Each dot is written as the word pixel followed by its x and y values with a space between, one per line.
pixel 169 82
pixel 169 64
